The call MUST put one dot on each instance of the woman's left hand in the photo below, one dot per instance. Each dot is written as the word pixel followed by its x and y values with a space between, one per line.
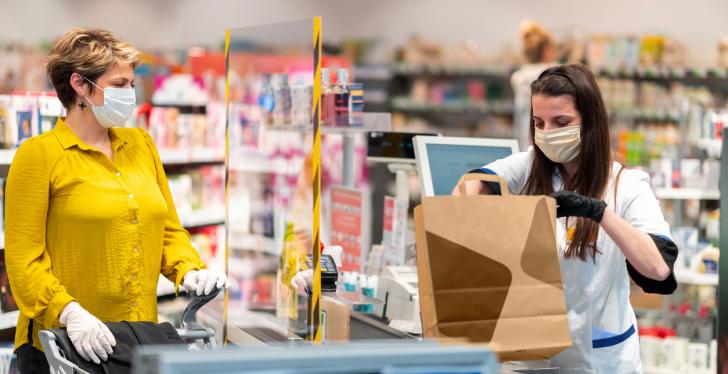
pixel 572 204
pixel 202 282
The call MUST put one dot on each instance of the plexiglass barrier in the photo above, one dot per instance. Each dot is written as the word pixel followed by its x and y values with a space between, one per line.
pixel 270 160
pixel 292 186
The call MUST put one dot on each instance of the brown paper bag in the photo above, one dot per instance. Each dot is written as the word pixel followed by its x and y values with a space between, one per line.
pixel 338 317
pixel 488 271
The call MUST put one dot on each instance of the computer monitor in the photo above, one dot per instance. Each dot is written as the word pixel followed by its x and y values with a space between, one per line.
pixel 441 161
pixel 392 147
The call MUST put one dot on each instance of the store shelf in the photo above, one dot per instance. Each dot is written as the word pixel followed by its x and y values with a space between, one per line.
pixel 647 114
pixel 478 70
pixel 372 73
pixel 665 73
pixel 195 155
pixel 254 243
pixel 712 147
pixel 205 217
pixel 407 104
pixel 245 161
pixel 168 156
pixel 376 96
pixel 694 278
pixel 505 72
pixel 686 194
pixel 372 121
pixel 9 319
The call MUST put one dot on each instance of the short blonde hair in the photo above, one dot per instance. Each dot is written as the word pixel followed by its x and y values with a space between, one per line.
pixel 89 52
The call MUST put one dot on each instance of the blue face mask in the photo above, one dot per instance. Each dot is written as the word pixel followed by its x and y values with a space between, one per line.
pixel 118 106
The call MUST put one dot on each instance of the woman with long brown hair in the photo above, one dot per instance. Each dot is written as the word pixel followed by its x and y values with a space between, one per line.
pixel 610 227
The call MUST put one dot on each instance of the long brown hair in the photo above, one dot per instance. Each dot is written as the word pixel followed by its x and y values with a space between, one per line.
pixel 595 158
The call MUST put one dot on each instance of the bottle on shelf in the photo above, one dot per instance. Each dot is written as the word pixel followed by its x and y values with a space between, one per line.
pixel 704 326
pixel 327 99
pixel 266 101
pixel 356 104
pixel 291 261
pixel 301 105
pixel 341 98
pixel 282 97
pixel 685 321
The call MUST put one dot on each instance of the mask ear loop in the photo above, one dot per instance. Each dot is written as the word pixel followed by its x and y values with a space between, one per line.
pixel 82 104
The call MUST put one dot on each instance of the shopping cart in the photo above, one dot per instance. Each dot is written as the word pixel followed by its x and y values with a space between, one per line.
pixel 55 344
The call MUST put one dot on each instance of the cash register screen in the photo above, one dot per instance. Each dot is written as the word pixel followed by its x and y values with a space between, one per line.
pixel 442 161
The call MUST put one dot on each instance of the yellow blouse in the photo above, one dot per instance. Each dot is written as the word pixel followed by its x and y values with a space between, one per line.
pixel 81 227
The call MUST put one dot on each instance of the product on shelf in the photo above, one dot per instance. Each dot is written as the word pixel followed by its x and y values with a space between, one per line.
pixel 713 124
pixel 664 348
pixel 179 89
pixel 49 109
pixel 301 99
pixel 22 68
pixel 281 104
pixel 453 104
pixel 341 98
pixel 199 190
pixel 293 258
pixel 417 54
pixel 356 104
pixel 266 100
pixel 181 118
pixel 186 128
pixel 6 133
pixel 680 338
pixel 209 242
pixel 630 52
pixel 7 302
pixel 164 126
pixel 27 114
pixel 327 98
pixel 282 100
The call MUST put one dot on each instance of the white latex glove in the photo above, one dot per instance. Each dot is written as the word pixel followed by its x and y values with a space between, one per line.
pixel 302 279
pixel 202 282
pixel 91 338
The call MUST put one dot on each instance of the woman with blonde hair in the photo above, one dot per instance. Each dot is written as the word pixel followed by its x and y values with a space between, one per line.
pixel 90 222
pixel 539 53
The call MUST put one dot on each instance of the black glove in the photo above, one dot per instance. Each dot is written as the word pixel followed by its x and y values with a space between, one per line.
pixel 572 204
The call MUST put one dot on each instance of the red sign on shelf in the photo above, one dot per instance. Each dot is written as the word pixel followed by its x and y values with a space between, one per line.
pixel 347 210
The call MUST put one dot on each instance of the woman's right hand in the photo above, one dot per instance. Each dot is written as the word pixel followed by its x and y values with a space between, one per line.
pixel 472 187
pixel 91 338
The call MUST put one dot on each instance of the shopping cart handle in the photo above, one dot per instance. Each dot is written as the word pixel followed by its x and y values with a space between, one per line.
pixel 189 316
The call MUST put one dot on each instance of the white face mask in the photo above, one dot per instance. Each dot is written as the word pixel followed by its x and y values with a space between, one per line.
pixel 118 106
pixel 559 145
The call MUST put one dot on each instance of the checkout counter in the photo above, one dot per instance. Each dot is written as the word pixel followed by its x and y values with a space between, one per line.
pixel 395 320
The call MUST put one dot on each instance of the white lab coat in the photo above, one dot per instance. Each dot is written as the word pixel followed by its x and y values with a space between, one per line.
pixel 602 323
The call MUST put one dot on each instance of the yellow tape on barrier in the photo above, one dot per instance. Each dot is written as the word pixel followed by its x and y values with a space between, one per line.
pixel 227 181
pixel 315 317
